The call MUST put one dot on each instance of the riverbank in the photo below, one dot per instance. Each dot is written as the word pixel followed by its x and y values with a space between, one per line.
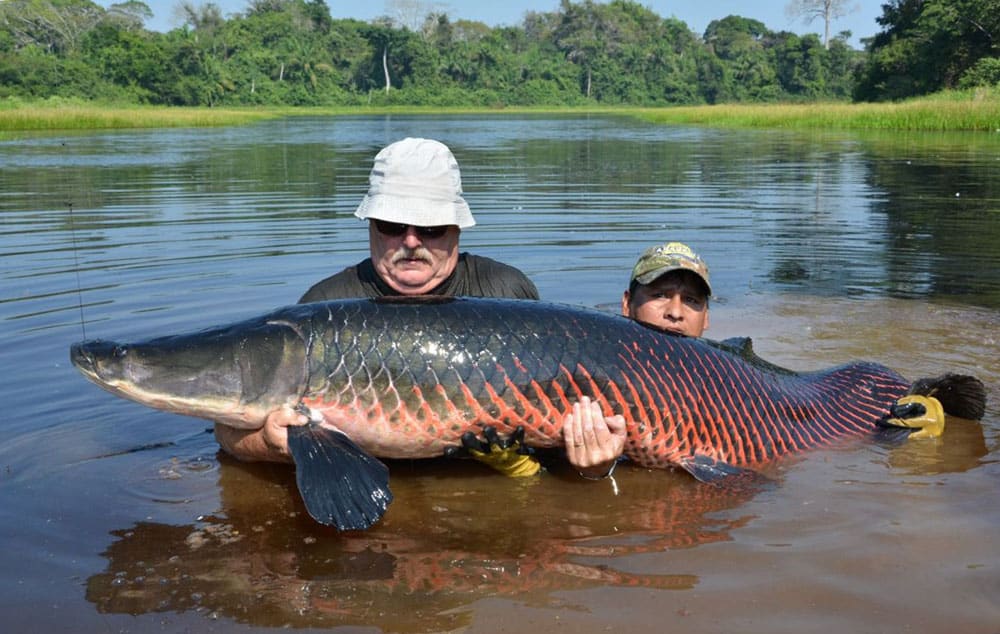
pixel 950 111
pixel 57 115
pixel 974 110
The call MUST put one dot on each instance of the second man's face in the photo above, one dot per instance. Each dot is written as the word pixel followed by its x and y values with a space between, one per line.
pixel 675 302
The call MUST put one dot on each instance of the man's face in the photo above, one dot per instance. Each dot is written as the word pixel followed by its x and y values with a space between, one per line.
pixel 675 301
pixel 413 260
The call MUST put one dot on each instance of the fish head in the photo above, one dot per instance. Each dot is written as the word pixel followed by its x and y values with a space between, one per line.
pixel 235 375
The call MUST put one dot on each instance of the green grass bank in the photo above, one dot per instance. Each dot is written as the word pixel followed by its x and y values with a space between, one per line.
pixel 974 110
pixel 951 111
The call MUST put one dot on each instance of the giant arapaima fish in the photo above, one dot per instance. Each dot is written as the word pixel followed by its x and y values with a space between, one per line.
pixel 407 378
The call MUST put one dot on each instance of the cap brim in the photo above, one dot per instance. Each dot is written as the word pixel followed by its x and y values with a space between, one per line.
pixel 651 276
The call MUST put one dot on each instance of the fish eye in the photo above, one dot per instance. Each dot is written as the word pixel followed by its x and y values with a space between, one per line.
pixel 120 352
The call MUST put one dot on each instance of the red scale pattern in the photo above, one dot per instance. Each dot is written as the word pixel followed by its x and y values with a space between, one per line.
pixel 424 373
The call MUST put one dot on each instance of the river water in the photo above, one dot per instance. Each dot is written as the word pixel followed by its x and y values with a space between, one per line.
pixel 824 247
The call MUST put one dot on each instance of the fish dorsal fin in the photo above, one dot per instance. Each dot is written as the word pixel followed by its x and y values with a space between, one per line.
pixel 743 348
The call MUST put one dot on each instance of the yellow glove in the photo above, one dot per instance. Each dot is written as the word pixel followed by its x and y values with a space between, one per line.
pixel 915 411
pixel 509 456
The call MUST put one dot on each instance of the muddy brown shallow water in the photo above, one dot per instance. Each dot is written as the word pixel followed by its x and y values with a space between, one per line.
pixel 120 518
pixel 862 537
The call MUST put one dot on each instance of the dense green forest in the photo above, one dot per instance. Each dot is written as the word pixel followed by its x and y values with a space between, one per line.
pixel 292 52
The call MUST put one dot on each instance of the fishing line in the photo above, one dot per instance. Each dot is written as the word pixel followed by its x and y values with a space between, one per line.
pixel 76 269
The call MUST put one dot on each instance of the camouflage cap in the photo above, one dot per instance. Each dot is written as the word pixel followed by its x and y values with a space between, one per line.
pixel 672 256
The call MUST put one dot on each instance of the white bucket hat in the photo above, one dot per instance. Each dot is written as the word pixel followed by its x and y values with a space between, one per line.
pixel 416 182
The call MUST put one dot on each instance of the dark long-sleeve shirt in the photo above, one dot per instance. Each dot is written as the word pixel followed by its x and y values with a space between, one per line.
pixel 474 276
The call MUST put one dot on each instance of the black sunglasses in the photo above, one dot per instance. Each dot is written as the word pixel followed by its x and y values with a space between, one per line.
pixel 396 229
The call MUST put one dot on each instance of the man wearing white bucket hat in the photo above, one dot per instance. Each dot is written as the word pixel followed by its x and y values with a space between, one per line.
pixel 415 213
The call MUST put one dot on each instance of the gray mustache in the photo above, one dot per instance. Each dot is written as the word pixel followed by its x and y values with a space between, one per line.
pixel 405 253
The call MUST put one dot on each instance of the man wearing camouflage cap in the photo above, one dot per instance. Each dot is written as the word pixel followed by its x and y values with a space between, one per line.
pixel 669 289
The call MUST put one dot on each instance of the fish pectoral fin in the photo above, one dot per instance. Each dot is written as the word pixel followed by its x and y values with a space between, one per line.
pixel 340 483
pixel 707 469
pixel 924 414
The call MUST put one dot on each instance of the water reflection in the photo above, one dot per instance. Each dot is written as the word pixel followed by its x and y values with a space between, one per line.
pixel 453 537
pixel 822 214
pixel 824 247
pixel 962 447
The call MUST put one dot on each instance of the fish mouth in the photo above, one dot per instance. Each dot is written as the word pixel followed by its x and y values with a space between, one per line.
pixel 106 363
pixel 80 357
pixel 86 356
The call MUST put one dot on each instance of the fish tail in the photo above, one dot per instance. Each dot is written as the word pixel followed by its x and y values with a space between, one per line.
pixel 960 395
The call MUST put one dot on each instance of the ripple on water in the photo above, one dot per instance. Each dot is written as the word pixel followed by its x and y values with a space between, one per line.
pixel 175 479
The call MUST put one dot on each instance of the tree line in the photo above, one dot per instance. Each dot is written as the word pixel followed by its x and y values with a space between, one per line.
pixel 292 52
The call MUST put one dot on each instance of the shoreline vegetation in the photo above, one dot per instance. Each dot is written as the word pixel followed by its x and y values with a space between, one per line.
pixel 948 111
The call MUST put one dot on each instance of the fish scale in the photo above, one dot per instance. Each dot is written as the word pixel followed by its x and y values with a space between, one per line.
pixel 432 371
pixel 407 378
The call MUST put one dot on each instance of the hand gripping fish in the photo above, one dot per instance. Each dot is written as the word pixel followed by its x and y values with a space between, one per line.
pixel 407 378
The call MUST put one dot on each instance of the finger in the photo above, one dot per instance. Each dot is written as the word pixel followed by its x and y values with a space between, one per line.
pixel 601 426
pixel 571 433
pixel 275 430
pixel 567 431
pixel 517 436
pixel 908 410
pixel 492 438
pixel 595 411
pixel 584 405
pixel 590 425
pixel 287 416
pixel 472 443
pixel 603 430
pixel 516 439
pixel 616 425
pixel 580 421
pixel 619 435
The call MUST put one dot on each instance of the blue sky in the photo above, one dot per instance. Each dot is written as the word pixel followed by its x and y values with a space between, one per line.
pixel 695 13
